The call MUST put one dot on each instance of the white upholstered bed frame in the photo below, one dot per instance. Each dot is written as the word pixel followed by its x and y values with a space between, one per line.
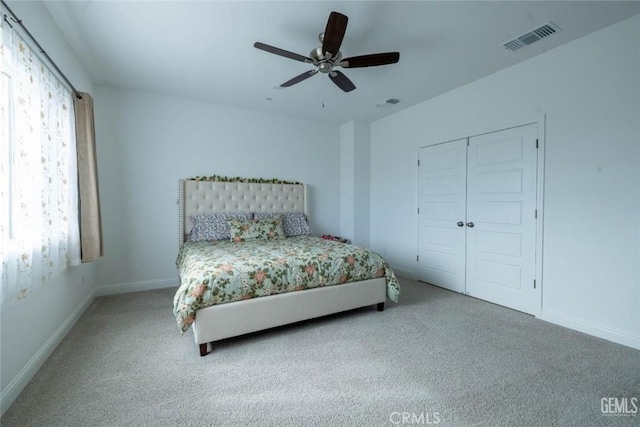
pixel 237 318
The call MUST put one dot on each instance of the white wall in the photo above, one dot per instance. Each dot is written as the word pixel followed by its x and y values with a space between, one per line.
pixel 589 91
pixel 362 184
pixel 355 182
pixel 32 328
pixel 146 142
pixel 347 179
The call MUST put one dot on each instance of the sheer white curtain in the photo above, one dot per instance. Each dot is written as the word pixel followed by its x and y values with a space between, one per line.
pixel 39 235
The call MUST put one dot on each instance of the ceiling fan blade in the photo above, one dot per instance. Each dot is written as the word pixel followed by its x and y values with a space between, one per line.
pixel 341 81
pixel 282 52
pixel 299 78
pixel 334 33
pixel 371 60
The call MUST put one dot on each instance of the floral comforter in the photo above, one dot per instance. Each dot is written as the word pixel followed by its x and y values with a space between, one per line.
pixel 220 272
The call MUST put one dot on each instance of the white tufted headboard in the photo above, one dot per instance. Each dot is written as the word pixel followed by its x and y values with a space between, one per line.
pixel 198 197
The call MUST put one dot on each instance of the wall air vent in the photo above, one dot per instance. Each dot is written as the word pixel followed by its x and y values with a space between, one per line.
pixel 532 36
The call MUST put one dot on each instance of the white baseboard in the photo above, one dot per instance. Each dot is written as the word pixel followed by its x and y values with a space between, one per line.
pixel 123 288
pixel 15 387
pixel 591 329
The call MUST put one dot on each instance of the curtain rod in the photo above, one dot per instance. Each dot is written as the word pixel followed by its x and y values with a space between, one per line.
pixel 18 21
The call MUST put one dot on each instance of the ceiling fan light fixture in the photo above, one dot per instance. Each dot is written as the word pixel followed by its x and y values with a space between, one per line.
pixel 325 67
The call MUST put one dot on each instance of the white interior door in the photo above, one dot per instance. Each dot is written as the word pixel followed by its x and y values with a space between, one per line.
pixel 442 199
pixel 501 218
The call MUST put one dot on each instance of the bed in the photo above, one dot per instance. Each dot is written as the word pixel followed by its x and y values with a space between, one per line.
pixel 229 288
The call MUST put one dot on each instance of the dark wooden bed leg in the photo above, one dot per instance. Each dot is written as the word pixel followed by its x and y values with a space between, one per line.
pixel 380 306
pixel 204 349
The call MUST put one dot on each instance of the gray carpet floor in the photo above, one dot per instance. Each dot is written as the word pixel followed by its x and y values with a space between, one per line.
pixel 437 358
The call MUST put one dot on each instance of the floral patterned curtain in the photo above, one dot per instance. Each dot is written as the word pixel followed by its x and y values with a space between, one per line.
pixel 39 235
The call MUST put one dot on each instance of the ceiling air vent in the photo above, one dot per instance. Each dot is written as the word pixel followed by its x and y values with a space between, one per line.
pixel 532 36
pixel 388 103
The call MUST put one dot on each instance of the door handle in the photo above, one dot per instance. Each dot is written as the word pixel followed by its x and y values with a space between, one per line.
pixel 460 224
pixel 470 224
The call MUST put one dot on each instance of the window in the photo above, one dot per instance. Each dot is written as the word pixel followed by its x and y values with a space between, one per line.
pixel 39 235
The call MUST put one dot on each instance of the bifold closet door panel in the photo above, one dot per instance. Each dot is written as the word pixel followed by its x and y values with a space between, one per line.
pixel 441 216
pixel 501 217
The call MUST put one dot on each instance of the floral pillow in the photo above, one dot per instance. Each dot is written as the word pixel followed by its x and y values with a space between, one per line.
pixel 256 229
pixel 214 226
pixel 293 223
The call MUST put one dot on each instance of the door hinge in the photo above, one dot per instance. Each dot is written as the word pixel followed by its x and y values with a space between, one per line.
pixel 536 215
pixel 534 283
pixel 418 162
pixel 418 211
pixel 536 143
pixel 417 258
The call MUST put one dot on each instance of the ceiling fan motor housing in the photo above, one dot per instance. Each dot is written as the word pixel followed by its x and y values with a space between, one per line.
pixel 323 62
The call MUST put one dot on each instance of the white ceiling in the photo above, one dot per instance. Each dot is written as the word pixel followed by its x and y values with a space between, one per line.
pixel 204 49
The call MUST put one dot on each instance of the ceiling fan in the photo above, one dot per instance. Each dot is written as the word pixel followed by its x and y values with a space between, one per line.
pixel 328 56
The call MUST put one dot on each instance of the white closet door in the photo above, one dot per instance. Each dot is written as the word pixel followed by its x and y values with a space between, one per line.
pixel 501 223
pixel 442 199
